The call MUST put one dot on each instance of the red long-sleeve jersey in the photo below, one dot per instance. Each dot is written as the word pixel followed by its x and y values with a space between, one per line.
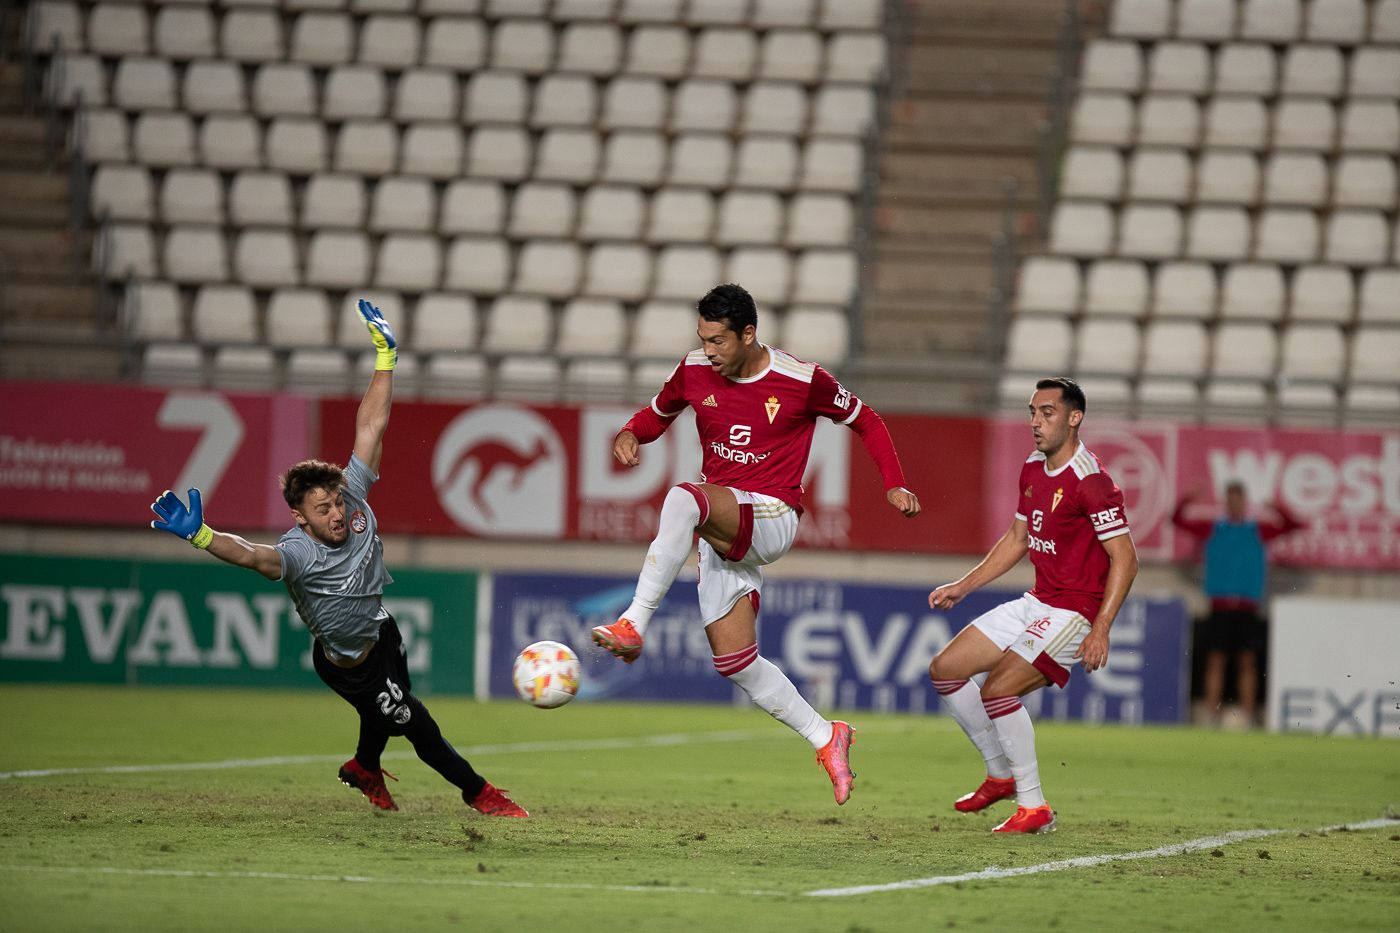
pixel 756 433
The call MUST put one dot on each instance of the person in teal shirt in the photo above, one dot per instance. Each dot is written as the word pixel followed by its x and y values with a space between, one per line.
pixel 1236 563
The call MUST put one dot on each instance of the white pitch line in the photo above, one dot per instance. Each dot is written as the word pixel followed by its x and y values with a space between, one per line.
pixel 1089 861
pixel 365 879
pixel 500 748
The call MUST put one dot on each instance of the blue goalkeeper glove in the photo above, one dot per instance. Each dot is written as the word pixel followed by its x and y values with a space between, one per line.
pixel 187 523
pixel 382 334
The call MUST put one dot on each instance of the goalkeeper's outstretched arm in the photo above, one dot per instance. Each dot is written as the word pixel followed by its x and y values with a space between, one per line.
pixel 372 419
pixel 187 521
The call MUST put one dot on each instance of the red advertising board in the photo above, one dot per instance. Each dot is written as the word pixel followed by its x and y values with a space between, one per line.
pixel 1344 484
pixel 517 471
pixel 99 455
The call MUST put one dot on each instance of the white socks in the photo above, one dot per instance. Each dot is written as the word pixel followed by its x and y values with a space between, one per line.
pixel 1017 735
pixel 771 691
pixel 964 699
pixel 680 516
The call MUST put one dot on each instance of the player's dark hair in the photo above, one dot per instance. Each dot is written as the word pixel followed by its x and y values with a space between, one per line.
pixel 308 475
pixel 731 304
pixel 1069 391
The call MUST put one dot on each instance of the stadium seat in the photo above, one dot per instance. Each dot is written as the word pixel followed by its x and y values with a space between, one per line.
pixel 1205 19
pixel 1321 293
pixel 564 100
pixel 1286 234
pixel 591 327
pixel 455 376
pixel 1168 397
pixel 495 97
pixel 472 206
pixel 81 77
pixel 1168 120
pixel 1159 175
pixel 817 334
pixel 173 364
pixel 764 271
pixel 224 314
pixel 1116 286
pixel 104 134
pixel 143 84
pixel 842 14
pixel 116 29
pixel 390 41
pixel 479 265
pixel 57 24
pixel 1276 21
pixel 354 92
pixel 322 38
pixel 126 250
pixel 1102 118
pixel 338 259
pixel 716 12
pixel 432 150
pixel 618 270
pixel 152 311
pixel 680 215
pixel 813 219
pixel 756 218
pixel 1048 284
pixel 1235 401
pixel 552 268
pixel 402 205
pixel 1298 178
pixel 771 162
pixel 1184 289
pixel 790 55
pixel 195 254
pixel 1366 402
pixel 410 262
pixel 243 369
pixel 567 10
pixel 633 102
pixel 297 145
pixel 611 212
pixel 528 379
pixel 702 104
pixel 1218 233
pixel 298 318
pixel 284 89
pixel 324 372
pixel 664 330
pixel 254 198
pixel 1371 126
pixel 824 277
pixel 163 140
pixel 1379 301
pixel 1175 67
pixel 775 107
pixel 503 8
pixel 1303 123
pixel 1094 173
pixel 267 258
pixel 570 155
pixel 1235 123
pixel 122 192
pixel 1312 352
pixel 426 94
pixel 1038 344
pixel 541 209
pixel 500 152
pixel 252 36
pixel 333 201
pixel 1245 68
pixel 1375 72
pixel 1357 238
pixel 1312 70
pixel 700 159
pixel 1079 228
pixel 517 324
pixel 1243 351
pixel 1227 176
pixel 1107 347
pixel 841 110
pixel 1385 21
pixel 831 165
pixel 637 158
pixel 182 34
pixel 1374 351
pixel 455 42
pixel 590 48
pixel 1174 348
pixel 444 322
pixel 227 141
pixel 658 51
pixel 1252 290
pixel 522 45
pixel 1151 231
pixel 191 196
pixel 728 53
pixel 858 57
pixel 1364 181
pixel 1342 22
pixel 214 86
pixel 1111 65
pixel 685 272
pixel 596 380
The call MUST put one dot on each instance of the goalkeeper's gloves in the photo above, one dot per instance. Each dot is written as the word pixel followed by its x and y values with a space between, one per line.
pixel 187 523
pixel 383 336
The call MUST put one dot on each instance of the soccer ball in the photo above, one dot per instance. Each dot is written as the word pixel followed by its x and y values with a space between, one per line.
pixel 546 674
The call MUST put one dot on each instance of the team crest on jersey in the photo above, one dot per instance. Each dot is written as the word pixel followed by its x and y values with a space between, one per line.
pixel 710 402
pixel 358 522
pixel 1055 502
pixel 771 406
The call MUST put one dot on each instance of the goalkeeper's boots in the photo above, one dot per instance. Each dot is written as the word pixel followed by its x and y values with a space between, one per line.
pixel 621 638
pixel 992 790
pixel 834 756
pixel 370 783
pixel 493 801
pixel 1039 819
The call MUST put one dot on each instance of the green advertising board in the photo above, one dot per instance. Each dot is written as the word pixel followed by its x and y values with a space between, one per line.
pixel 155 622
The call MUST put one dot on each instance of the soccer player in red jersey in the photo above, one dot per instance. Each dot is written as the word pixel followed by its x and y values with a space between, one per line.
pixel 1070 517
pixel 755 410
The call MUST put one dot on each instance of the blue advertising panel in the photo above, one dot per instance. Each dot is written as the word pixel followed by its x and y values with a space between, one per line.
pixel 848 646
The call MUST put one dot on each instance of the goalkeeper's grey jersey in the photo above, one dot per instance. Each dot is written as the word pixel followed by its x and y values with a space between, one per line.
pixel 336 589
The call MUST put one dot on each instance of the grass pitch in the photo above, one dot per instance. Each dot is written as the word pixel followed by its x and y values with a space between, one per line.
pixel 662 817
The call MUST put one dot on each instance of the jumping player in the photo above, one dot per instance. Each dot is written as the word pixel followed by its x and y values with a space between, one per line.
pixel 755 410
pixel 1070 517
pixel 332 563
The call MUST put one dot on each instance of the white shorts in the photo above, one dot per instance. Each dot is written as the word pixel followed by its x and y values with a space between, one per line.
pixel 724 582
pixel 1045 636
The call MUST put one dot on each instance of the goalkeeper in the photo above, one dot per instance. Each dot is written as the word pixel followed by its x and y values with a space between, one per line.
pixel 332 563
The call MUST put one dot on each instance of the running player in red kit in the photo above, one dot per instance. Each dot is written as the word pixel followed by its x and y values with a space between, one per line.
pixel 755 410
pixel 1070 517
